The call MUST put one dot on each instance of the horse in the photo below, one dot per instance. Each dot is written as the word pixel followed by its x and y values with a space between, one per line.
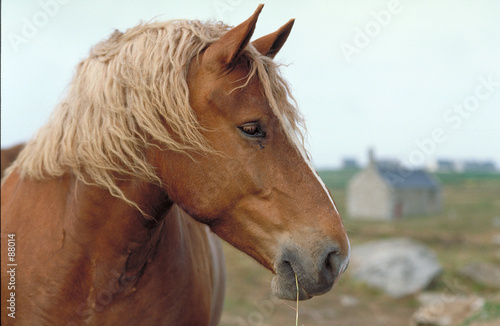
pixel 171 136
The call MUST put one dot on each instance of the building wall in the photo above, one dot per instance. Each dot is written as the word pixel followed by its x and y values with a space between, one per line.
pixel 413 201
pixel 368 196
pixel 416 202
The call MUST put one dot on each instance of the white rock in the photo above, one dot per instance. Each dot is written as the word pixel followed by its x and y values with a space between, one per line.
pixel 398 267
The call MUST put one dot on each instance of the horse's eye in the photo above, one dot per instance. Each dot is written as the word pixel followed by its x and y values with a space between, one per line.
pixel 252 129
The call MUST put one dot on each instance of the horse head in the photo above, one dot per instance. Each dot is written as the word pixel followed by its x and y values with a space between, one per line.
pixel 257 189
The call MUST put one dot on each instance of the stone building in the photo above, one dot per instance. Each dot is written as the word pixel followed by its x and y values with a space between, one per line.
pixel 386 191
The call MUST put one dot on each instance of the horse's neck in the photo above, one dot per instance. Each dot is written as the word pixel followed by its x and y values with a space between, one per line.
pixel 115 235
pixel 105 250
pixel 156 261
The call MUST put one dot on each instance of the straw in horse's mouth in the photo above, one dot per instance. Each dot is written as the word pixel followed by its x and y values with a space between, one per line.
pixel 290 277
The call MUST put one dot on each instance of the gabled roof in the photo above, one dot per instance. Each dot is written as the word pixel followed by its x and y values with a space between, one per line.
pixel 408 179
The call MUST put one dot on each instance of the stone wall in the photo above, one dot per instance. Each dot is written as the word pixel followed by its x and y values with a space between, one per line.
pixel 368 196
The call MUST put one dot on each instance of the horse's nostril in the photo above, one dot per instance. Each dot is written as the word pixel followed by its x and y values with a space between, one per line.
pixel 332 264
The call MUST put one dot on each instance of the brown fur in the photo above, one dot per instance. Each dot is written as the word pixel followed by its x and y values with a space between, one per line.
pixel 85 253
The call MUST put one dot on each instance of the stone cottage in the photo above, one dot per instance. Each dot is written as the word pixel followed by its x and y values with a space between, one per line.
pixel 386 191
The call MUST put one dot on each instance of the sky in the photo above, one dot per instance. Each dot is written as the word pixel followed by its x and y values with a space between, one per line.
pixel 414 80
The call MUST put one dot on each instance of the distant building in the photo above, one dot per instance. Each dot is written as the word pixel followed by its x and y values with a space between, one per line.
pixel 478 166
pixel 443 166
pixel 389 192
pixel 350 164
pixel 449 166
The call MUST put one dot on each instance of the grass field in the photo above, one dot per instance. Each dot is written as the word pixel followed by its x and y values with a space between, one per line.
pixel 462 233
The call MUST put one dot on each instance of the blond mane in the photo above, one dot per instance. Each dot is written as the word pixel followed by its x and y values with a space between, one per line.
pixel 132 92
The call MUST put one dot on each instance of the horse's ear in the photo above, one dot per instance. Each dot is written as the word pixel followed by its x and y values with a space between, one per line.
pixel 270 44
pixel 228 48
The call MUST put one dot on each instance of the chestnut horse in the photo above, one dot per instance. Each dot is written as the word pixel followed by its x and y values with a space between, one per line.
pixel 169 132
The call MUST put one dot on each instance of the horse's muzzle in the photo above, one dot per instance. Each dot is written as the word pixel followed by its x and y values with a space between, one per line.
pixel 316 273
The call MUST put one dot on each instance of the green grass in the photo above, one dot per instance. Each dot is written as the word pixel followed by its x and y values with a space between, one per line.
pixel 337 179
pixel 451 179
pixel 490 312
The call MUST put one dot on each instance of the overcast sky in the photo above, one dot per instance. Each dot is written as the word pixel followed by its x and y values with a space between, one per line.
pixel 415 80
